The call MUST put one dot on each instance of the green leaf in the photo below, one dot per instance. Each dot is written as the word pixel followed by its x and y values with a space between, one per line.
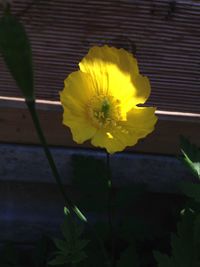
pixel 191 190
pixel 60 244
pixel 78 257
pixel 71 229
pixel 71 249
pixel 81 244
pixel 182 243
pixel 128 258
pixel 191 155
pixel 185 244
pixel 16 51
pixel 59 260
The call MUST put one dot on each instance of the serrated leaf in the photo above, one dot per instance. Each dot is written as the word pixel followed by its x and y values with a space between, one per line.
pixel 81 244
pixel 16 51
pixel 191 155
pixel 78 257
pixel 61 244
pixel 71 248
pixel 78 231
pixel 59 260
pixel 191 190
pixel 185 244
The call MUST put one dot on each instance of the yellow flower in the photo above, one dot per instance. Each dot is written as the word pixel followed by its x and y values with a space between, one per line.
pixel 100 100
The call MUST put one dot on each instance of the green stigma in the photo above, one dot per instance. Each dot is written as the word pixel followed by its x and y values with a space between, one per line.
pixel 105 107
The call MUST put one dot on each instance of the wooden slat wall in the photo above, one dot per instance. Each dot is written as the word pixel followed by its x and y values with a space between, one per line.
pixel 166 35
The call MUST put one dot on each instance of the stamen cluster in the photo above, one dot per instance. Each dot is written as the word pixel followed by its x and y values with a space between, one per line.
pixel 104 111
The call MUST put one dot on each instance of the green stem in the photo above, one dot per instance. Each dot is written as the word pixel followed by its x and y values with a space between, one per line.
pixel 110 210
pixel 69 203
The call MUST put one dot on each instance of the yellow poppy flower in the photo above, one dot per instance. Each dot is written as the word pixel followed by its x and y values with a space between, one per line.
pixel 100 100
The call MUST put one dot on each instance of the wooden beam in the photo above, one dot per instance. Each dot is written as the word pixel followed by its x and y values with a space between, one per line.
pixel 16 127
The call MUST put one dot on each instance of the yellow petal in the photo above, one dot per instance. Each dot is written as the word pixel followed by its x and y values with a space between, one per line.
pixel 97 57
pixel 115 72
pixel 77 91
pixel 80 127
pixel 140 121
pixel 105 139
pixel 143 89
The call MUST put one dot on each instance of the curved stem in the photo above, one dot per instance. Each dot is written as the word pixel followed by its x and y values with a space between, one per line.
pixel 69 203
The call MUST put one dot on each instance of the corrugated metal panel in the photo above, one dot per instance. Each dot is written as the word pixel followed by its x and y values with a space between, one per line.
pixel 166 35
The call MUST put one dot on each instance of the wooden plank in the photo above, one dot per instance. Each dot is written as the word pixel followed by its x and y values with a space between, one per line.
pixel 22 163
pixel 166 37
pixel 16 127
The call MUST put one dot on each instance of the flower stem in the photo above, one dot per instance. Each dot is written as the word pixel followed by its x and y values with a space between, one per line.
pixel 110 210
pixel 71 207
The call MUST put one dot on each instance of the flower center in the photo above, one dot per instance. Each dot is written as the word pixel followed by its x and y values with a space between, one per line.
pixel 104 110
pixel 105 107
